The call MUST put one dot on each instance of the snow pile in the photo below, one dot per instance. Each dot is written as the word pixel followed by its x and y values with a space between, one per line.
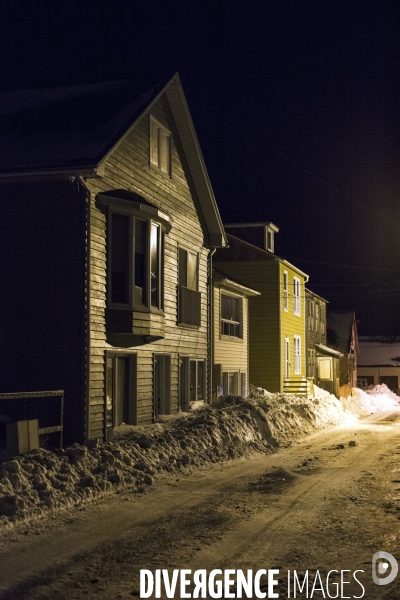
pixel 366 402
pixel 33 483
pixel 285 418
pixel 41 480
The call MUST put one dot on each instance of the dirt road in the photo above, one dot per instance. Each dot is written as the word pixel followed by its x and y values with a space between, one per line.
pixel 320 505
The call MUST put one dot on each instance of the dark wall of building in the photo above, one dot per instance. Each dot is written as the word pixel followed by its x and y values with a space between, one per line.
pixel 42 300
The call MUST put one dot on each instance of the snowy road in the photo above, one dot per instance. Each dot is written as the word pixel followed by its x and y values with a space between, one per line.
pixel 310 506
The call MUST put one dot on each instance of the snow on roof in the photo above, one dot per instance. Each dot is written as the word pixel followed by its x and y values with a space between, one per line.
pixel 67 126
pixel 379 352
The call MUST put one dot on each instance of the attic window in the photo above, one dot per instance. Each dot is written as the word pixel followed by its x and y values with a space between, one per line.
pixel 269 239
pixel 160 147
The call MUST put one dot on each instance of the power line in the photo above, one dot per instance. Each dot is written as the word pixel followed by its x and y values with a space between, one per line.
pixel 316 177
pixel 317 262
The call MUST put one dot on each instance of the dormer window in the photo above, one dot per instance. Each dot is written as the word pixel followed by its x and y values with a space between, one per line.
pixel 270 230
pixel 160 147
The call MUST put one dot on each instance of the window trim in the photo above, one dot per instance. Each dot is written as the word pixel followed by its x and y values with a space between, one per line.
pixel 153 122
pixel 134 215
pixel 132 390
pixel 296 297
pixel 287 358
pixel 285 291
pixel 226 336
pixel 197 254
pixel 297 356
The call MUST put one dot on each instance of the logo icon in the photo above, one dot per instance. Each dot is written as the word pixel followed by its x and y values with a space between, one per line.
pixel 380 568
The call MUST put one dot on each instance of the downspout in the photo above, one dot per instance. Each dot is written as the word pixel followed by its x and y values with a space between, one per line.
pixel 87 320
pixel 211 328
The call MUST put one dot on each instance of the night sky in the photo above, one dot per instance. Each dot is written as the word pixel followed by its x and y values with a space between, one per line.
pixel 296 106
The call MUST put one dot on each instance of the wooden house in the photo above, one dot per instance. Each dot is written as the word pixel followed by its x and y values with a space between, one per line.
pixel 230 335
pixel 342 336
pixel 322 361
pixel 277 344
pixel 107 226
pixel 379 361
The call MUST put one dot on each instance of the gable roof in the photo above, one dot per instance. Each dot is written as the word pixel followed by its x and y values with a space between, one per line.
pixel 64 127
pixel 75 128
pixel 341 325
pixel 224 280
pixel 257 253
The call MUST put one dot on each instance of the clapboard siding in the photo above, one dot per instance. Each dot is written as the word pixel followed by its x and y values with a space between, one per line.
pixel 128 167
pixel 269 323
pixel 231 353
pixel 263 331
pixel 292 324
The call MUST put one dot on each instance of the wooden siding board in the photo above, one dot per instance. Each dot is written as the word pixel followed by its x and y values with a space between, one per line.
pixel 128 167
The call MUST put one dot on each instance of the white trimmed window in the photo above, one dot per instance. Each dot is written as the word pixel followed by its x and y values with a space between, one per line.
pixel 297 356
pixel 285 291
pixel 160 147
pixel 296 296
pixel 287 358
pixel 231 316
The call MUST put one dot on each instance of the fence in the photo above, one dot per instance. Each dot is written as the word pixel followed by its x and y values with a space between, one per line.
pixel 47 407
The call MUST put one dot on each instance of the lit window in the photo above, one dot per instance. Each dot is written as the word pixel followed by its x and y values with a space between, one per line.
pixel 136 249
pixel 189 298
pixel 160 147
pixel 231 315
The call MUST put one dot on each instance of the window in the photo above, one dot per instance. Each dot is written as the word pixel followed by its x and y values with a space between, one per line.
pixel 136 257
pixel 121 404
pixel 311 362
pixel 325 368
pixel 230 383
pixel 231 315
pixel 297 358
pixel 188 269
pixel 310 315
pixel 285 291
pixel 189 299
pixel 160 147
pixel 322 319
pixel 161 385
pixel 296 296
pixel 316 317
pixel 287 358
pixel 192 381
pixel 197 374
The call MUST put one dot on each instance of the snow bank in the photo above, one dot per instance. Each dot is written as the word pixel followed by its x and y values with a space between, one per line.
pixel 32 484
pixel 285 418
pixel 366 402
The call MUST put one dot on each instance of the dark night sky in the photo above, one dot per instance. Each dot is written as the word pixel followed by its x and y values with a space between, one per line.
pixel 269 84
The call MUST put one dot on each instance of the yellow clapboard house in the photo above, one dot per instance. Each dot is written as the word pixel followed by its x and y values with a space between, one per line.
pixel 277 340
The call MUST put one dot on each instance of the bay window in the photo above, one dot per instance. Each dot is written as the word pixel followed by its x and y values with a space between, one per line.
pixel 136 248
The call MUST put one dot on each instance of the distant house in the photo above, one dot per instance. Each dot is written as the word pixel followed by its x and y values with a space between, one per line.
pixel 231 339
pixel 107 225
pixel 322 361
pixel 277 345
pixel 379 361
pixel 342 336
